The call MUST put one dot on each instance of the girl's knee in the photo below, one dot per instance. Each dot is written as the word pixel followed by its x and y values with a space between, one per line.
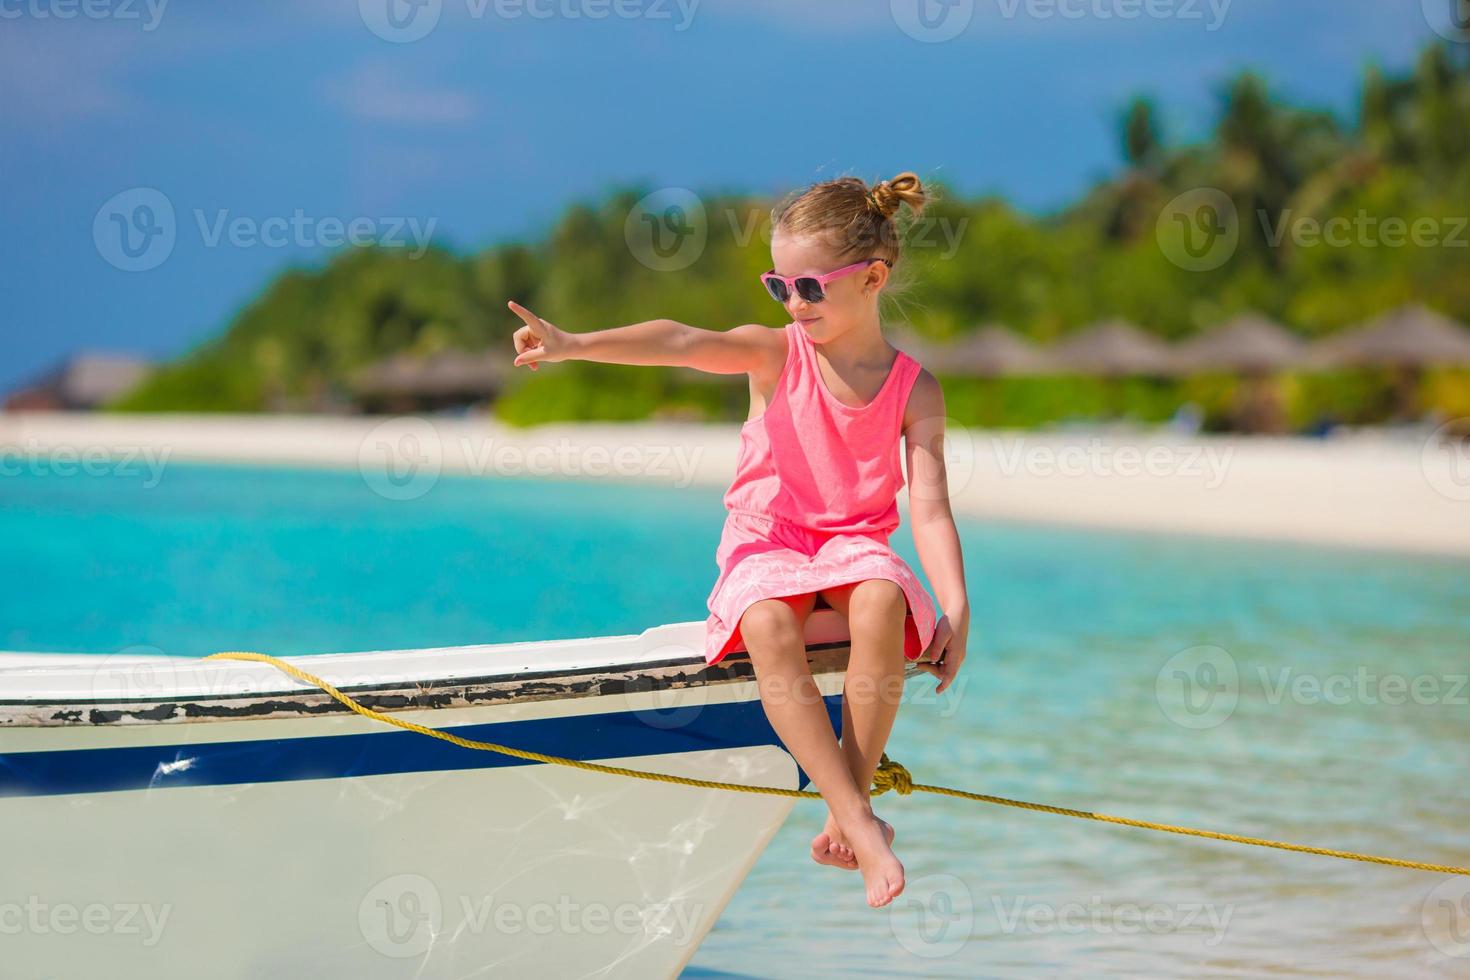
pixel 771 623
pixel 877 601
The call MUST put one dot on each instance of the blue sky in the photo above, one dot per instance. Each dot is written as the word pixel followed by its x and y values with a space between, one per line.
pixel 498 117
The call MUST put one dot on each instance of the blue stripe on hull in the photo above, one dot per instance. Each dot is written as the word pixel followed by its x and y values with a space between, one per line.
pixel 588 737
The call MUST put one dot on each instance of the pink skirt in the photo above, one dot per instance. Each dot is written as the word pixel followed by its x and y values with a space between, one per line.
pixel 760 558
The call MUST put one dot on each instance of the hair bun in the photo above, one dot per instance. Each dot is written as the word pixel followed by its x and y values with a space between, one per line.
pixel 888 195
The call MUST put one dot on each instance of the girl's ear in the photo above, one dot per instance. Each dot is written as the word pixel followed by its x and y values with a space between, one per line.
pixel 877 275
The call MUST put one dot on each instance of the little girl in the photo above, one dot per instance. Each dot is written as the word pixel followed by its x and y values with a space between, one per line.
pixel 813 501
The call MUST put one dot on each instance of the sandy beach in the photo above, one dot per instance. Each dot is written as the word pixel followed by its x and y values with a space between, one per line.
pixel 1403 491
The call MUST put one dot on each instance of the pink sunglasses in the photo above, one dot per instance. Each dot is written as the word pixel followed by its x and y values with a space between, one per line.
pixel 809 288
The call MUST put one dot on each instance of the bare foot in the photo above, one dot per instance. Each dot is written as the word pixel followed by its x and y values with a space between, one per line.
pixel 882 871
pixel 831 848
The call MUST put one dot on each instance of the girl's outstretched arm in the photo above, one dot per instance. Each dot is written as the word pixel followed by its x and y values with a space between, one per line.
pixel 666 343
pixel 935 536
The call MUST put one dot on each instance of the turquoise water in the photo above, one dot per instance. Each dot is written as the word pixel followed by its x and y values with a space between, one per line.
pixel 1075 694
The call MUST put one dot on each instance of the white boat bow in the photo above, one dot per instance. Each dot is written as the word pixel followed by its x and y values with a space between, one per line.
pixel 167 817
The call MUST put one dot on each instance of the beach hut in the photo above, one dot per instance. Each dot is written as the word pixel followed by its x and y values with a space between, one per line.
pixel 1113 348
pixel 82 383
pixel 994 351
pixel 1257 349
pixel 1404 341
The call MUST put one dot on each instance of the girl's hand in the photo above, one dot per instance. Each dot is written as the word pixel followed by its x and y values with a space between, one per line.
pixel 538 340
pixel 946 653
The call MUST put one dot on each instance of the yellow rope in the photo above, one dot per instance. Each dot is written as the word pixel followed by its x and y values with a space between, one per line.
pixel 890 775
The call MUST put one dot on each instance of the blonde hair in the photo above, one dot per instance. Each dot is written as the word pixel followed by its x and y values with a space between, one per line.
pixel 854 220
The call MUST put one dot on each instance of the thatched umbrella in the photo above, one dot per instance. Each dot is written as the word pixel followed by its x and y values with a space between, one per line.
pixel 1409 337
pixel 1405 341
pixel 1248 344
pixel 458 375
pixel 993 351
pixel 449 377
pixel 394 375
pixel 1113 348
pixel 927 351
pixel 1257 349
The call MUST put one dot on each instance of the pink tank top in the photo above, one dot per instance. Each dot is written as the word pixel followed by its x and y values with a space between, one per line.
pixel 814 461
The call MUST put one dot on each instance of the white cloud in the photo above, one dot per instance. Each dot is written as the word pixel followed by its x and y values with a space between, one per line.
pixel 376 93
pixel 55 77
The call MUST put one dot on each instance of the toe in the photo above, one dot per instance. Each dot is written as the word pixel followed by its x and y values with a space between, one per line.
pixel 823 854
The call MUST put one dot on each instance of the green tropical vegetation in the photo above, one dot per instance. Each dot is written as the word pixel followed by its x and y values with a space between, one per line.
pixel 1397 175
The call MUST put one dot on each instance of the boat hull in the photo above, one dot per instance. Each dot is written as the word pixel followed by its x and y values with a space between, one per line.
pixel 231 839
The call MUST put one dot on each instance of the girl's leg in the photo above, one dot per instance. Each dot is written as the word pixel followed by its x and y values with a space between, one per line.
pixel 774 636
pixel 875 610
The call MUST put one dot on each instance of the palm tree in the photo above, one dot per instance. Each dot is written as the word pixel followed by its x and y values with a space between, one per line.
pixel 1128 206
pixel 1267 153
